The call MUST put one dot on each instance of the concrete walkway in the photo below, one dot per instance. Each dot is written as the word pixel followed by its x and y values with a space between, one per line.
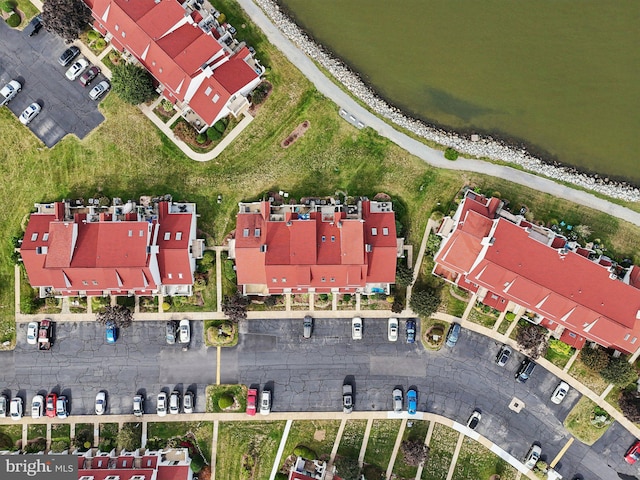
pixel 336 442
pixel 434 157
pixel 396 447
pixel 365 441
pixel 454 458
pixel 283 442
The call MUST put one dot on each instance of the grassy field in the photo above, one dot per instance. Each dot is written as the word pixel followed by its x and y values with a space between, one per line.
pixel 318 435
pixel 36 431
pixel 9 436
pixel 443 442
pixel 162 431
pixel 418 433
pixel 476 462
pixel 352 437
pixel 237 392
pixel 247 450
pixel 60 436
pixel 476 315
pixel 587 377
pixel 381 440
pixel 108 436
pixel 578 422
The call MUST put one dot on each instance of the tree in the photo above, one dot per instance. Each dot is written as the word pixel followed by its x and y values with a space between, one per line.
pixel 433 244
pixel 8 6
pixel 347 468
pixel 424 302
pixel 414 452
pixel 532 339
pixel 619 372
pixel 630 405
pixel 129 437
pixel 120 315
pixel 132 83
pixel 404 275
pixel 235 307
pixel 66 18
pixel 595 359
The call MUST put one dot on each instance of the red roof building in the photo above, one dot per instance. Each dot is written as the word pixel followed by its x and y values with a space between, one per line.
pixel 510 262
pixel 125 249
pixel 319 246
pixel 200 66
pixel 172 464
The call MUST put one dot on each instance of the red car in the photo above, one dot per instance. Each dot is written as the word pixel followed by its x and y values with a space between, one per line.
pixel 51 405
pixel 252 400
pixel 633 454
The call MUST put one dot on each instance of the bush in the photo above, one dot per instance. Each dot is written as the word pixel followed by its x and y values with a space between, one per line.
pixel 451 154
pixel 222 18
pixel 8 6
pixel 619 372
pixel 197 463
pixel 213 134
pixel 221 125
pixel 59 446
pixel 594 359
pixel 100 44
pixel 225 401
pixel 14 20
pixel 404 275
pixel 206 262
pixel 201 138
pixel 132 83
pixel 560 348
pixel 93 35
pixel 304 452
pixel 424 302
pixel 510 316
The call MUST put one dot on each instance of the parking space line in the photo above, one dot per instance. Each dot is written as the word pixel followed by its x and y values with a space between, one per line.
pixel 561 453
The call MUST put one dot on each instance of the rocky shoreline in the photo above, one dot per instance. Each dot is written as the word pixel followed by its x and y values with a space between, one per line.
pixel 478 147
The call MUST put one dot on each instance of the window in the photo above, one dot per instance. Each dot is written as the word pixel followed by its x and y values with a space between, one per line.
pixel 131 233
pixel 170 275
pixel 34 237
pixel 45 236
pixel 374 231
pixel 178 235
pixel 95 282
pixel 494 297
pixel 256 232
pixel 215 98
pixel 333 238
pixel 84 282
pixel 333 279
pixel 385 231
pixel 274 280
pixel 141 233
pixel 179 275
pixel 323 279
pixel 284 279
pixel 633 340
pixel 245 232
pixel 208 91
pixel 626 337
pixel 167 235
pixel 324 238
pixel 117 27
pixel 124 34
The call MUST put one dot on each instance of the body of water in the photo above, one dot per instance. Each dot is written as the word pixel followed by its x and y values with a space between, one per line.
pixel 562 77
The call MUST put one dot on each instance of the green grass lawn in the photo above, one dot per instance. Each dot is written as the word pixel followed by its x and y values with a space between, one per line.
pixel 60 436
pixel 504 325
pixel 418 433
pixel 108 436
pixel 443 442
pixel 381 441
pixel 36 431
pixel 231 340
pixel 352 437
pixel 159 433
pixel 476 462
pixel 559 353
pixel 318 435
pixel 481 318
pixel 237 392
pixel 84 430
pixel 247 450
pixel 452 305
pixel 578 422
pixel 10 435
pixel 29 10
pixel 587 377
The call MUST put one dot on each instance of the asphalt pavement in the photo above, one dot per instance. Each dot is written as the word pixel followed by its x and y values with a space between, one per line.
pixel 33 61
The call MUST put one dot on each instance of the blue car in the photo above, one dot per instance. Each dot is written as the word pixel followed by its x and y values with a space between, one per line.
pixel 111 333
pixel 411 331
pixel 453 334
pixel 412 402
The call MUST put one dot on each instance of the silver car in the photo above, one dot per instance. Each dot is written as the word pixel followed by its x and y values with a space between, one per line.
pixel 174 403
pixel 187 402
pixel 533 455
pixel 3 406
pixel 138 405
pixel 265 402
pixel 101 403
pixel 29 113
pixel 32 333
pixel 99 90
pixel 37 406
pixel 397 400
pixel 184 331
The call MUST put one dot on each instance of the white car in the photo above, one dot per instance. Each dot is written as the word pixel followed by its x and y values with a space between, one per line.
pixel 29 113
pixel 392 330
pixel 356 328
pixel 101 403
pixel 15 409
pixel 99 90
pixel 397 400
pixel 77 68
pixel 184 331
pixel 32 333
pixel 187 402
pixel 560 392
pixel 533 455
pixel 138 405
pixel 265 402
pixel 37 406
pixel 3 406
pixel 174 403
pixel 62 407
pixel 162 404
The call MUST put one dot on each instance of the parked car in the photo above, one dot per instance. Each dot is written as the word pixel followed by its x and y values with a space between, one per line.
pixel 265 402
pixel 533 455
pixel 111 332
pixel 15 409
pixel 89 75
pixel 170 332
pixel 37 406
pixel 560 392
pixel 526 369
pixel 161 408
pixel 29 113
pixel 453 334
pixel 185 331
pixel 412 402
pixel 101 403
pixel 138 405
pixel 411 331
pixel 356 328
pixel 347 398
pixel 62 407
pixel 9 91
pixel 474 419
pixel 35 25
pixel 50 407
pixel 32 333
pixel 99 90
pixel 188 401
pixel 252 400
pixel 3 406
pixel 503 356
pixel 68 55
pixel 307 326
pixel 174 403
pixel 633 454
pixel 392 329
pixel 76 69
pixel 397 400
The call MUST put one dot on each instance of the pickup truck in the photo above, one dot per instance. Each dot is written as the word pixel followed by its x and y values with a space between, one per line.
pixel 44 335
pixel 9 91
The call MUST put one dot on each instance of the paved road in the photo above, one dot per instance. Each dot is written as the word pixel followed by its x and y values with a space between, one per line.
pixel 307 375
pixel 433 157
pixel 66 106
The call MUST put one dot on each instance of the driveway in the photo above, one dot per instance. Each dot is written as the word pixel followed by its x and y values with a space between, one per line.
pixel 66 106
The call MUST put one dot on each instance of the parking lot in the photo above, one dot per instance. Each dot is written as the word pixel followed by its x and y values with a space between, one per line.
pixel 33 61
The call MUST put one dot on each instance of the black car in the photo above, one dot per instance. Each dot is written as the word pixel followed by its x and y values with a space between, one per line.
pixel 411 331
pixel 34 26
pixel 68 55
pixel 171 329
pixel 526 369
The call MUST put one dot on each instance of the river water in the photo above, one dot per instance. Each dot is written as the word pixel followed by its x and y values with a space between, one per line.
pixel 562 77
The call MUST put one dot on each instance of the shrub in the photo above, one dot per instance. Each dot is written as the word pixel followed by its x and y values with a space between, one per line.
pixel 594 359
pixel 424 302
pixel 451 154
pixel 404 275
pixel 93 35
pixel 221 125
pixel 304 452
pixel 14 20
pixel 213 134
pixel 132 83
pixel 270 301
pixel 201 138
pixel 323 297
pixel 100 44
pixel 59 446
pixel 199 285
pixel 197 462
pixel 560 348
pixel 510 316
pixel 222 18
pixel 619 372
pixel 166 306
pixel 8 6
pixel 225 401
pixel 206 262
pixel 229 271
